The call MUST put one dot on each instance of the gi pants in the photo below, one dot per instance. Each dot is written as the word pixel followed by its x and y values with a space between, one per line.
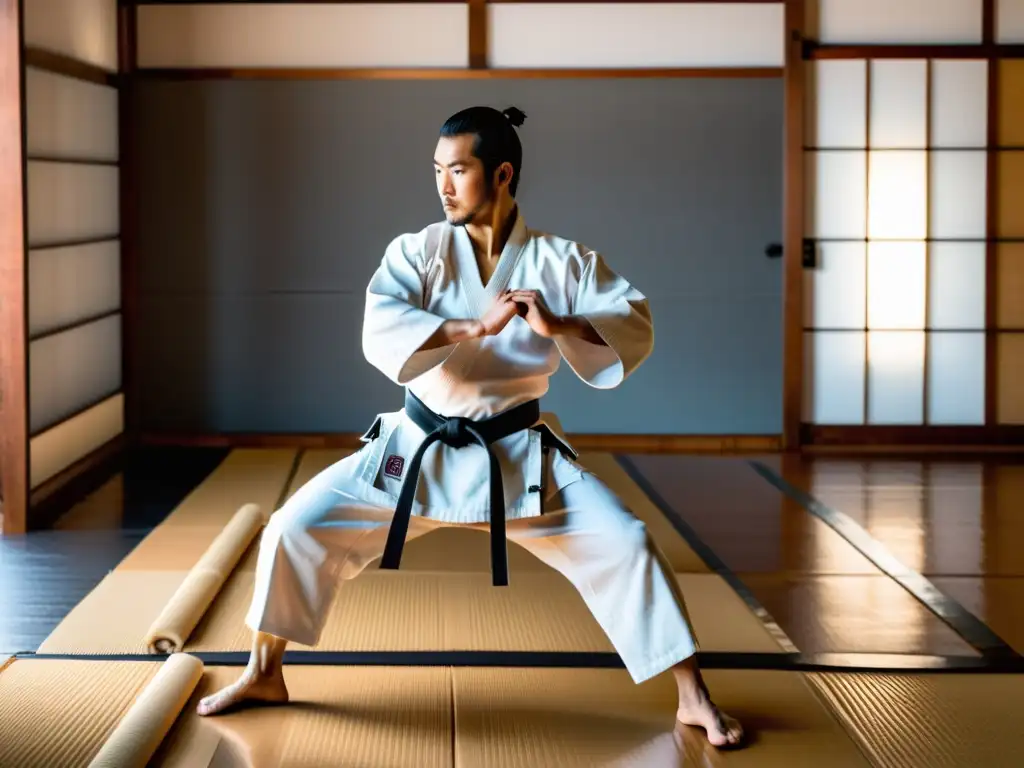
pixel 324 535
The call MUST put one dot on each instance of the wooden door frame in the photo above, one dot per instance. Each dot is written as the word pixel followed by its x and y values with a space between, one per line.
pixel 14 469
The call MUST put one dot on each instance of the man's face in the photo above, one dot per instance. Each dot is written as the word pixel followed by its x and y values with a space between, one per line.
pixel 465 191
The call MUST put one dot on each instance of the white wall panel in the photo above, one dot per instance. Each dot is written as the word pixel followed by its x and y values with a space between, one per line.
pixel 834 296
pixel 636 35
pixel 834 380
pixel 957 194
pixel 304 35
pixel 1010 285
pixel 899 105
pixel 837 116
pixel 897 195
pixel 85 30
pixel 902 21
pixel 1010 21
pixel 836 196
pixel 71 369
pixel 896 285
pixel 956 285
pixel 956 378
pixel 70 202
pixel 896 377
pixel 69 118
pixel 55 450
pixel 66 285
pixel 959 104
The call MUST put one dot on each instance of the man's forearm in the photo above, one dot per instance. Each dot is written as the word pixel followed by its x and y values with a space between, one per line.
pixel 452 332
pixel 579 327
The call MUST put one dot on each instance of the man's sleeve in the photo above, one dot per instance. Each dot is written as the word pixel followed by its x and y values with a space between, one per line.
pixel 621 316
pixel 395 325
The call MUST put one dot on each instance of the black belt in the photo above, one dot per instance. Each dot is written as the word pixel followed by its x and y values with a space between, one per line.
pixel 458 432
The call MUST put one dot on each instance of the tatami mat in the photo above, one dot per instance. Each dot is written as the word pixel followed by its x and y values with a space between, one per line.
pixel 926 721
pixel 173 547
pixel 59 713
pixel 344 716
pixel 246 476
pixel 394 611
pixel 559 718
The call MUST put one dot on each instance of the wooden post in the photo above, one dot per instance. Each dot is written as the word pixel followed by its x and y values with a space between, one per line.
pixel 793 229
pixel 14 445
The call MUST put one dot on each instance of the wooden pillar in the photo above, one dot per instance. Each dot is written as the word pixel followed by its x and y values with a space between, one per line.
pixel 14 469
pixel 793 229
pixel 478 34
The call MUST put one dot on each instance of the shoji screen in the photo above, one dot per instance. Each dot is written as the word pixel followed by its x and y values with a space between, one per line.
pixel 902 316
pixel 73 228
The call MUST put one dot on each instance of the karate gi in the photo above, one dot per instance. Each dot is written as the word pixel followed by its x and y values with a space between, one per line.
pixel 337 523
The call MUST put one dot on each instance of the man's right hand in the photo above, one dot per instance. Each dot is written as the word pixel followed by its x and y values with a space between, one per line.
pixel 491 324
pixel 499 315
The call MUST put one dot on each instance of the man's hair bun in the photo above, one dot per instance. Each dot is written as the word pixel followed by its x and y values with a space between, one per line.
pixel 515 116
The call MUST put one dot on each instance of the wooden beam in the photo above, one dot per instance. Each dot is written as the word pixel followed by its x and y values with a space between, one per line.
pixel 291 73
pixel 892 437
pixel 64 65
pixel 940 51
pixel 793 228
pixel 14 469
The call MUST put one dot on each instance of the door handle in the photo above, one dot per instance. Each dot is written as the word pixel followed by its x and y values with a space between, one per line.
pixel 809 254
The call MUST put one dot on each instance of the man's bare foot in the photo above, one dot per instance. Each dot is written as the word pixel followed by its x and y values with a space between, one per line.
pixel 250 687
pixel 722 730
pixel 696 708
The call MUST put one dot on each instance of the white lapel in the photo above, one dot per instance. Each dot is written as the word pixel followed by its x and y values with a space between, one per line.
pixel 478 296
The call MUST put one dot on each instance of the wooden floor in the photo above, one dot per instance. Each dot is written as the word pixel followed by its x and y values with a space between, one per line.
pixel 46 573
pixel 953 525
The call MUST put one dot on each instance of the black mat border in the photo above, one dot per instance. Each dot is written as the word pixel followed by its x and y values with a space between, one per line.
pixel 708 660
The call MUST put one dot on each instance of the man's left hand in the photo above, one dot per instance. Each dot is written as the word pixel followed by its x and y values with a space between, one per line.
pixel 533 309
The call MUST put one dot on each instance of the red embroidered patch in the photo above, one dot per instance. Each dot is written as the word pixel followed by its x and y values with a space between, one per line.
pixel 394 465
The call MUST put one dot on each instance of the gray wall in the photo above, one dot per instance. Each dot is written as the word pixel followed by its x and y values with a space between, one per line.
pixel 265 206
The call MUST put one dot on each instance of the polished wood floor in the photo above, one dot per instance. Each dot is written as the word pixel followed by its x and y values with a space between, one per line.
pixel 44 574
pixel 957 523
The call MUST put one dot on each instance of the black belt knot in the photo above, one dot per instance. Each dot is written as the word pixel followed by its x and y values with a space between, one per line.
pixel 459 432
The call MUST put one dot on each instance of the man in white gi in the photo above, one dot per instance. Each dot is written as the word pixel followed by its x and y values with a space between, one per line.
pixel 473 315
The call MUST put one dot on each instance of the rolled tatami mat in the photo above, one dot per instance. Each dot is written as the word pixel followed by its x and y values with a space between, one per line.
pixel 384 611
pixel 143 727
pixel 198 591
pixel 562 718
pixel 915 720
